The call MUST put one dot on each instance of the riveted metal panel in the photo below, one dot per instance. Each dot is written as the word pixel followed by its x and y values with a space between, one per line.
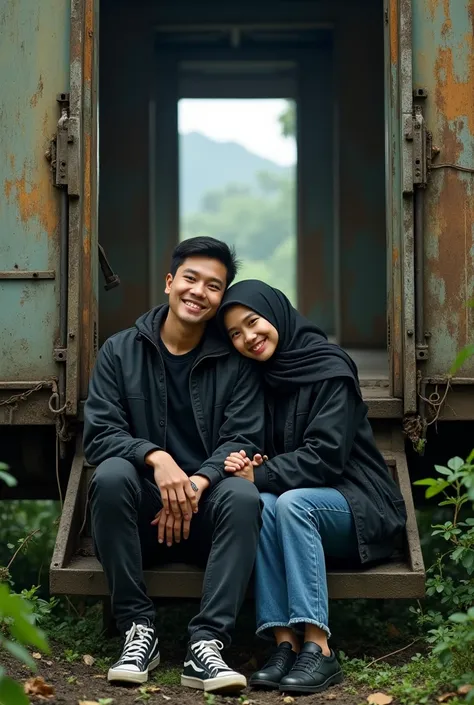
pixel 443 63
pixel 34 67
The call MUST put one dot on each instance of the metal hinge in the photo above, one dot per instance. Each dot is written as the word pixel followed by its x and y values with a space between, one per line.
pixel 417 152
pixel 63 153
pixel 417 156
pixel 417 147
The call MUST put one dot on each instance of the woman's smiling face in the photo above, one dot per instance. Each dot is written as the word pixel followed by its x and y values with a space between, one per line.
pixel 250 333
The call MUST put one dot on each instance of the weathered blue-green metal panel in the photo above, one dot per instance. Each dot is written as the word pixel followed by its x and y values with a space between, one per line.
pixel 34 67
pixel 443 37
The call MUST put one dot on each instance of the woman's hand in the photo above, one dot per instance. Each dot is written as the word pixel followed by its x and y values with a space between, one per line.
pixel 241 466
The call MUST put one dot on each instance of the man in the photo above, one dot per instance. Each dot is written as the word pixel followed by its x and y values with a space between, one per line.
pixel 168 401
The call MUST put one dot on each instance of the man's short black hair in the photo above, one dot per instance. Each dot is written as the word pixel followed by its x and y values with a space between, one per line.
pixel 204 246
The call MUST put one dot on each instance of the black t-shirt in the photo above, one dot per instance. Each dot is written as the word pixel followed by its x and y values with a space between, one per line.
pixel 183 441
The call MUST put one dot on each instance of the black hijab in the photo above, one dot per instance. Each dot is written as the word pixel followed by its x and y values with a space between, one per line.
pixel 303 355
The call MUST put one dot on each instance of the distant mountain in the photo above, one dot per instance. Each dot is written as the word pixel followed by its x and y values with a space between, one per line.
pixel 206 165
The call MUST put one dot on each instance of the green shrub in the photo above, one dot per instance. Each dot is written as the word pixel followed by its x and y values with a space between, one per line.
pixel 452 638
pixel 17 629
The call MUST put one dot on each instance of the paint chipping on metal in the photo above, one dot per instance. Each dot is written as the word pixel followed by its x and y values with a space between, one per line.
pixel 393 26
pixel 33 200
pixel 37 94
pixel 444 65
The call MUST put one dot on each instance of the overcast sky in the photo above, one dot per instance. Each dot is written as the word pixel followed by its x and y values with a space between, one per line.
pixel 252 123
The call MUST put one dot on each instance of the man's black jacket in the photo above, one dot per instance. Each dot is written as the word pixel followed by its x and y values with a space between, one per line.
pixel 125 412
pixel 328 442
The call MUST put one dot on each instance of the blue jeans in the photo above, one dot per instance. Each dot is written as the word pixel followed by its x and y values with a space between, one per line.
pixel 299 528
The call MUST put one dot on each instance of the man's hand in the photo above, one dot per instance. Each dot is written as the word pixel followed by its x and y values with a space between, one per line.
pixel 241 466
pixel 171 527
pixel 177 495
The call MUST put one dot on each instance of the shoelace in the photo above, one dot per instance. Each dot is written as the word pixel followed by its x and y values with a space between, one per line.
pixel 277 659
pixel 307 661
pixel 209 653
pixel 137 641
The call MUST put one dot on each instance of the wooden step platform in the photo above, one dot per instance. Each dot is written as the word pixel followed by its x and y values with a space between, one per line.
pixel 76 571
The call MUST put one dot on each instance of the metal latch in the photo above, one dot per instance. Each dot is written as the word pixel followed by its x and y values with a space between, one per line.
pixel 417 154
pixel 417 151
pixel 63 153
pixel 111 279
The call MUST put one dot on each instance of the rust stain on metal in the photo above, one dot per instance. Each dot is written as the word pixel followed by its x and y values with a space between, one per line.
pixel 447 24
pixel 431 6
pixel 88 42
pixel 393 31
pixel 396 335
pixel 37 94
pixel 452 208
pixel 33 200
pixel 453 95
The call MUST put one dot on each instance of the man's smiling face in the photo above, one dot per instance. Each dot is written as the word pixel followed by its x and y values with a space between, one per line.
pixel 196 290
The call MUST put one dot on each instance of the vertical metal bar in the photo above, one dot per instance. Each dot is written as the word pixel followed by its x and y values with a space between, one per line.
pixel 406 100
pixel 75 205
pixel 166 195
pixel 393 198
pixel 89 242
pixel 419 266
pixel 63 290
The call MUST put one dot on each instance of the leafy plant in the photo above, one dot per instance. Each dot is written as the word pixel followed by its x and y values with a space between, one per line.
pixel 16 621
pixel 17 629
pixel 453 638
pixel 27 534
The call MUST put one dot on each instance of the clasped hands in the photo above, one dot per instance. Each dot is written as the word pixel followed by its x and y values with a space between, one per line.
pixel 241 466
pixel 180 500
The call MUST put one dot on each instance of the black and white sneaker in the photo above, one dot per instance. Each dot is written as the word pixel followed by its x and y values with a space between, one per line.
pixel 140 654
pixel 205 669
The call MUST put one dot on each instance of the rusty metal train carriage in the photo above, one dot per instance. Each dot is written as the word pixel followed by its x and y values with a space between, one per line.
pixel 385 212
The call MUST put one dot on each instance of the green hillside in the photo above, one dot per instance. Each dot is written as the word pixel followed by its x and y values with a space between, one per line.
pixel 207 165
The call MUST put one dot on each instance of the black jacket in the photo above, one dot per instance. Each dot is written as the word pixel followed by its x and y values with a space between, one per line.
pixel 328 442
pixel 125 412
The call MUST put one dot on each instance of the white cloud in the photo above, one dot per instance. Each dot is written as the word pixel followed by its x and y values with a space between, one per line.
pixel 251 123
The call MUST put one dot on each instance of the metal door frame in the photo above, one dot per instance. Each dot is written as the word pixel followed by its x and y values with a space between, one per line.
pixel 164 196
pixel 399 207
pixel 83 201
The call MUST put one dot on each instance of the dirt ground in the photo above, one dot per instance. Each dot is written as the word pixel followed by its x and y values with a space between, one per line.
pixel 74 682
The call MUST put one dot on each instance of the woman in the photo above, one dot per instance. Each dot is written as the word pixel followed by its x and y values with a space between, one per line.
pixel 326 489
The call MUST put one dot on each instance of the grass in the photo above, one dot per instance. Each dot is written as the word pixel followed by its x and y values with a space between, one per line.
pixel 167 675
pixel 416 682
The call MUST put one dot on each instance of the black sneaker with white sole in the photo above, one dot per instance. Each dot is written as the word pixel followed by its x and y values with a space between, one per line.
pixel 205 669
pixel 140 654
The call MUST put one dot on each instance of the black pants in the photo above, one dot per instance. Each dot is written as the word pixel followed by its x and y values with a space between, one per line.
pixel 223 537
